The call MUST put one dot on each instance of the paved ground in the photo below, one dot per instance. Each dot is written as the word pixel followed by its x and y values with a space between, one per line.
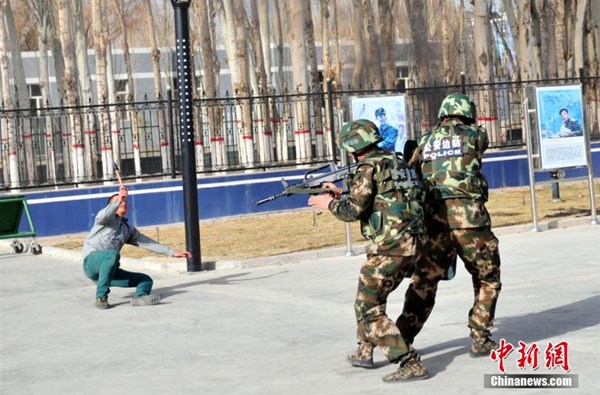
pixel 285 328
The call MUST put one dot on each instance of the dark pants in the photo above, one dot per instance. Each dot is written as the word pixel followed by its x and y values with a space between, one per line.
pixel 103 268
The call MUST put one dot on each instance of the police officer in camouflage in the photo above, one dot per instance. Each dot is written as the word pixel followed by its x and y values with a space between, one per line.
pixel 386 197
pixel 457 222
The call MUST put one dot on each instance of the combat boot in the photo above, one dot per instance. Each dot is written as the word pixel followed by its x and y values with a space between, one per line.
pixel 363 356
pixel 102 303
pixel 410 369
pixel 482 345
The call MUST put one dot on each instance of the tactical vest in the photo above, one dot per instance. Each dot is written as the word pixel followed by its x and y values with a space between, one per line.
pixel 398 203
pixel 451 163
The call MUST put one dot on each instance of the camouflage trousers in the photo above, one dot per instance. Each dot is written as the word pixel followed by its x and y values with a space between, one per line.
pixel 478 249
pixel 379 276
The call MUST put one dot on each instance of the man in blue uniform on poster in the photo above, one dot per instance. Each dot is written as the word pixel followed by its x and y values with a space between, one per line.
pixel 387 131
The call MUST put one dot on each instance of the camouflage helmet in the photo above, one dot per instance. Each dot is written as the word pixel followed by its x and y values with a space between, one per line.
pixel 359 134
pixel 458 105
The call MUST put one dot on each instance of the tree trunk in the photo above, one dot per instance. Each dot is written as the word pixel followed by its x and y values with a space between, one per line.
pixel 388 42
pixel 71 91
pixel 100 45
pixel 131 96
pixel 26 158
pixel 578 34
pixel 9 135
pixel 246 143
pixel 515 31
pixel 263 129
pixel 85 81
pixel 447 76
pixel 535 41
pixel 595 25
pixel 418 60
pixel 569 22
pixel 373 47
pixel 358 73
pixel 40 10
pixel 210 72
pixel 337 58
pixel 298 52
pixel 280 115
pixel 282 15
pixel 524 46
pixel 420 52
pixel 315 101
pixel 548 38
pixel 486 99
pixel 264 22
pixel 162 122
pixel 328 74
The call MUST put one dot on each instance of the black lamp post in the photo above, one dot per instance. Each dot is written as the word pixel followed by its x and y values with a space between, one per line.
pixel 186 133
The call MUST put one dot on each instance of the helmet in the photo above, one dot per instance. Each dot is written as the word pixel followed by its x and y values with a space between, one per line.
pixel 459 106
pixel 358 134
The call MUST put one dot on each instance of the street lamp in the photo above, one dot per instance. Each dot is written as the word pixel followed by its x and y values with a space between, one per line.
pixel 186 133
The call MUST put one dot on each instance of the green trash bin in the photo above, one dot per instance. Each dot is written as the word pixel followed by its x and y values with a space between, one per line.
pixel 11 213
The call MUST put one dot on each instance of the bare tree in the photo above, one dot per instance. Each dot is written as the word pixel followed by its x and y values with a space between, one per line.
pixel 388 42
pixel 240 88
pixel 372 47
pixel 297 42
pixel 264 22
pixel 65 16
pixel 131 96
pixel 162 123
pixel 85 82
pixel 593 26
pixel 309 33
pixel 100 47
pixel 263 129
pixel 328 72
pixel 281 117
pixel 23 124
pixel 41 12
pixel 419 38
pixel 548 38
pixel 336 39
pixel 10 167
pixel 486 99
pixel 210 88
pixel 579 33
pixel 358 73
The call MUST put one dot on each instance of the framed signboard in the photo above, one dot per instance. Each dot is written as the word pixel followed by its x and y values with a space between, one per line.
pixel 388 113
pixel 561 130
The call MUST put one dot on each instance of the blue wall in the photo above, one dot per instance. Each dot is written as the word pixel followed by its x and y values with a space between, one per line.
pixel 153 203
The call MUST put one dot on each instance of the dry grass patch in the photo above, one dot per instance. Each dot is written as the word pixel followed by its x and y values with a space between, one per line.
pixel 271 234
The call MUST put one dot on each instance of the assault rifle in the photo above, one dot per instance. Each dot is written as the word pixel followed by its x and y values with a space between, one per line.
pixel 313 181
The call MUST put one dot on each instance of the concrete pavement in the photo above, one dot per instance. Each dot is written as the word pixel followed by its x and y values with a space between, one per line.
pixel 285 328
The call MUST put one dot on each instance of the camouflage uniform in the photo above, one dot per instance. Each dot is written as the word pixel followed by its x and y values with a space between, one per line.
pixel 457 222
pixel 385 195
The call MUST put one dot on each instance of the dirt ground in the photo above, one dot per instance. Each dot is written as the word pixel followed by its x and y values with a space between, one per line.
pixel 306 229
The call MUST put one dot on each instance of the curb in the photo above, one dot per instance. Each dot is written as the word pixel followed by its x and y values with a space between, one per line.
pixel 174 265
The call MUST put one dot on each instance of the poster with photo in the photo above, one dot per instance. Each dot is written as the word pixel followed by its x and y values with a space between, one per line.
pixel 388 113
pixel 561 128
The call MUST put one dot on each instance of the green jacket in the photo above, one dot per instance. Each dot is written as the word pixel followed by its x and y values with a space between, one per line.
pixel 449 159
pixel 386 197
